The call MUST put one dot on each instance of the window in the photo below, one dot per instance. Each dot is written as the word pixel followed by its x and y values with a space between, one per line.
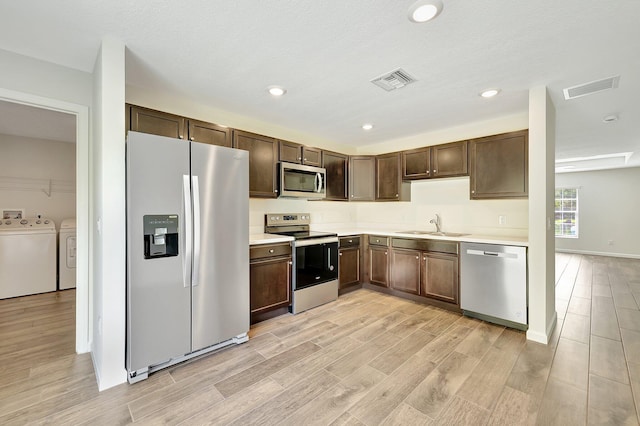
pixel 567 212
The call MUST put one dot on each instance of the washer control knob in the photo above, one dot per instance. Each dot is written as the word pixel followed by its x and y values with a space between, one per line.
pixel 24 222
pixel 46 222
pixel 38 221
pixel 8 222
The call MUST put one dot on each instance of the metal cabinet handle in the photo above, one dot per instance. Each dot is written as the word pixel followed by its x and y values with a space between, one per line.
pixel 385 253
pixel 270 250
pixel 192 138
pixel 473 192
pixel 350 241
pixel 396 195
pixel 417 257
pixel 290 262
pixel 304 159
pixel 180 136
pixel 428 171
pixel 275 190
pixel 339 254
pixel 435 171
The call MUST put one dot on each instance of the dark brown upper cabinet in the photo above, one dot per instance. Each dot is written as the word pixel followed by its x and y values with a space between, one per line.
pixel 500 166
pixel 263 160
pixel 291 152
pixel 389 185
pixel 362 178
pixel 311 156
pixel 159 123
pixel 449 159
pixel 337 166
pixel 212 134
pixel 416 163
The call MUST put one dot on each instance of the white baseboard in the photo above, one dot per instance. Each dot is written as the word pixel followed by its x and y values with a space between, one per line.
pixel 600 253
pixel 543 338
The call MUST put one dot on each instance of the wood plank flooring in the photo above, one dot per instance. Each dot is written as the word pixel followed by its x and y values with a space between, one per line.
pixel 366 359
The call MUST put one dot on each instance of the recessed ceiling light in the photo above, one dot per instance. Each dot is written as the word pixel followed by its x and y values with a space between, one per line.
pixel 610 118
pixel 367 126
pixel 489 93
pixel 424 10
pixel 276 90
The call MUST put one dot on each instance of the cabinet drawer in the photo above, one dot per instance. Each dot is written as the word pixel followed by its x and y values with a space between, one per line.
pixel 349 241
pixel 450 247
pixel 269 250
pixel 377 240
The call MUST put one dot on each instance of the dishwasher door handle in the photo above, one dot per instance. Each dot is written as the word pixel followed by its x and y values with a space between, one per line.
pixel 492 254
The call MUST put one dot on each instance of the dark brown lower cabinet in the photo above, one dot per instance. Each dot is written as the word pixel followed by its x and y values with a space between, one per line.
pixel 379 266
pixel 348 267
pixel 270 279
pixel 425 268
pixel 440 277
pixel 405 270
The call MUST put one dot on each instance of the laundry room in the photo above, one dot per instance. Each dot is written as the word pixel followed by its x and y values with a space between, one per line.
pixel 37 200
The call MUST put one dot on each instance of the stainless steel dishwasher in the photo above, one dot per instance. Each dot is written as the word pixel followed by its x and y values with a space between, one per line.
pixel 493 283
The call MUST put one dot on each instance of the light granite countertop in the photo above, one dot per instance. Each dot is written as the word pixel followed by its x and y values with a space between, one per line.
pixel 470 238
pixel 256 239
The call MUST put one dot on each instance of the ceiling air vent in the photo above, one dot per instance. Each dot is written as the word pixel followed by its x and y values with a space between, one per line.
pixel 393 80
pixel 592 87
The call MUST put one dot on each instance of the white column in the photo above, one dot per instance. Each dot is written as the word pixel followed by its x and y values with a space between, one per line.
pixel 542 311
pixel 108 217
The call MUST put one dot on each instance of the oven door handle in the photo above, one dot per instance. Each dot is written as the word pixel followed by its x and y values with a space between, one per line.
pixel 315 241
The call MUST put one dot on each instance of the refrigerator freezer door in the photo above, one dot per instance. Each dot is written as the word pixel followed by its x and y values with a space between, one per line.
pixel 220 304
pixel 158 303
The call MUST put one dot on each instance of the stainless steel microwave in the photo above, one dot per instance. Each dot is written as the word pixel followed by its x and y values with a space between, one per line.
pixel 299 181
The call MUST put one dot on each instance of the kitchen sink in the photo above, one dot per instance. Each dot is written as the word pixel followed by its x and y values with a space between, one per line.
pixel 415 232
pixel 447 234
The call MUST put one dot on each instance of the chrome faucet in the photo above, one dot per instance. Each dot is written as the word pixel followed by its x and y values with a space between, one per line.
pixel 436 222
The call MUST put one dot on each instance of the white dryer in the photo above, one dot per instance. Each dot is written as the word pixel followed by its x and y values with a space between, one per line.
pixel 27 256
pixel 67 255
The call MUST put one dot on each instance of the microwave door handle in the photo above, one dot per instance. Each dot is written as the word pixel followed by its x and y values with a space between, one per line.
pixel 318 182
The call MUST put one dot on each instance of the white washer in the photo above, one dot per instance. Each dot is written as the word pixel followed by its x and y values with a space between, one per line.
pixel 67 255
pixel 27 256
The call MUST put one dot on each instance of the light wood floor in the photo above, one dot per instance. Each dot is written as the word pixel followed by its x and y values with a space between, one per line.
pixel 366 359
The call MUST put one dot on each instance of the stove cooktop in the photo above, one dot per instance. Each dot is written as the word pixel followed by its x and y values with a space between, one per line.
pixel 305 235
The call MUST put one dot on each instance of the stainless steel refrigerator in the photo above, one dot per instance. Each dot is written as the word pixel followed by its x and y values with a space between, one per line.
pixel 187 250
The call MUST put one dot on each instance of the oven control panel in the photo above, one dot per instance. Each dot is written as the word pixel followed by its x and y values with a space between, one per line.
pixel 285 219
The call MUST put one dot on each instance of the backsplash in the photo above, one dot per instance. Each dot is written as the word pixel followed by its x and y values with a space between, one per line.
pixel 447 197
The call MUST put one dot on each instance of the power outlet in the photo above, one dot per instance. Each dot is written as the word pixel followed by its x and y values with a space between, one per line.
pixel 502 220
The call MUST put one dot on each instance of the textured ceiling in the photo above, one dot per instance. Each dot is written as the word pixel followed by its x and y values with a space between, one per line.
pixel 225 53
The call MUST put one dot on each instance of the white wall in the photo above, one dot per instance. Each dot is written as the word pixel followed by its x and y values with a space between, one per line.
pixel 42 84
pixel 29 75
pixel 608 211
pixel 26 164
pixel 450 199
pixel 108 220
pixel 541 251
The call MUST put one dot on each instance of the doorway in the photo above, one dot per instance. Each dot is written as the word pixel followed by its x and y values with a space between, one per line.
pixel 82 211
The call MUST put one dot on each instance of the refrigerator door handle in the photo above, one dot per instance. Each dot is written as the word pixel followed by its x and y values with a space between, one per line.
pixel 196 232
pixel 188 232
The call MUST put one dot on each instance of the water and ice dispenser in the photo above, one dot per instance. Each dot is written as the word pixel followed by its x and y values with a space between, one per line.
pixel 160 236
